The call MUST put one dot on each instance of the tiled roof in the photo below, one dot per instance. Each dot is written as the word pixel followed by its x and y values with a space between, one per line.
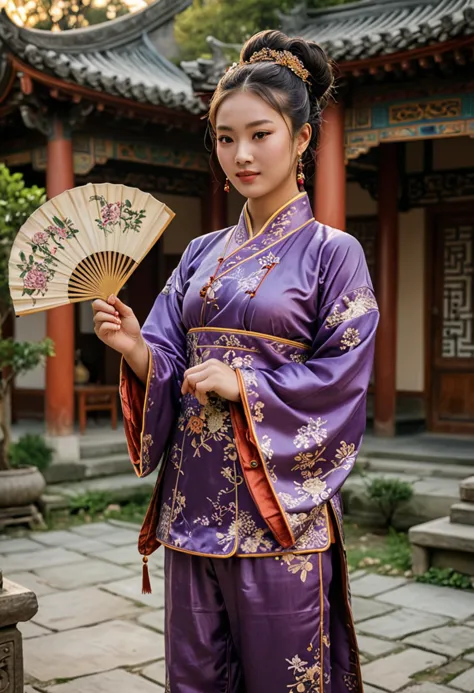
pixel 117 57
pixel 369 28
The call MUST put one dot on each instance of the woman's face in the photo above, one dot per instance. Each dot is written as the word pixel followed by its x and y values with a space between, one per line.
pixel 254 145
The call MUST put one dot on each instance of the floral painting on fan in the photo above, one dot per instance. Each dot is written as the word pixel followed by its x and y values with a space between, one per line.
pixel 114 214
pixel 44 245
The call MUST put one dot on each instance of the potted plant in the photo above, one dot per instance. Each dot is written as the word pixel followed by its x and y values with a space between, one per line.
pixel 24 483
pixel 17 202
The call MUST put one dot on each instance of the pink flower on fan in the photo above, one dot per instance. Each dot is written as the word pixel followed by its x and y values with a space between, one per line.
pixel 40 238
pixel 58 230
pixel 35 279
pixel 53 250
pixel 110 213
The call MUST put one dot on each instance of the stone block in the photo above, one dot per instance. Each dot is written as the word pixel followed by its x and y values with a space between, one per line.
pixel 82 607
pixel 462 513
pixel 116 681
pixel 121 537
pixel 443 534
pixel 452 641
pixel 85 651
pixel 427 687
pixel 66 448
pixel 157 672
pixel 131 588
pixel 396 670
pixel 11 661
pixel 372 584
pixel 363 609
pixel 465 682
pixel 93 572
pixel 8 546
pixel 455 604
pixel 398 624
pixel 17 603
pixel 38 559
pixel 154 619
pixel 466 490
pixel 420 559
pixel 31 581
pixel 32 630
pixel 375 647
pixel 123 555
pixel 94 530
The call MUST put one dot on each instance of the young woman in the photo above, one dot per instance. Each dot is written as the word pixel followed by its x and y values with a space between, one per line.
pixel 246 388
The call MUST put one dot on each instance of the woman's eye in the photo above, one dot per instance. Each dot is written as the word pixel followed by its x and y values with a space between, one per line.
pixel 225 139
pixel 261 135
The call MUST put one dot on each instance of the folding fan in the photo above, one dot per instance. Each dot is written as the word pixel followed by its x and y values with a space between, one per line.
pixel 82 245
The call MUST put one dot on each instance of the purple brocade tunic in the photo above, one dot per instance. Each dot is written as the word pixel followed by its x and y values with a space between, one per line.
pixel 293 310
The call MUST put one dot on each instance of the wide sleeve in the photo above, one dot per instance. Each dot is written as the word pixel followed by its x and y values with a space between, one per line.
pixel 149 411
pixel 307 419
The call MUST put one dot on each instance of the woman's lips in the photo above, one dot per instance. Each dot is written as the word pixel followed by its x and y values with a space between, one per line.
pixel 247 177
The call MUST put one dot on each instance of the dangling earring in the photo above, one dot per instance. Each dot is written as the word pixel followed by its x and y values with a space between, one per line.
pixel 227 186
pixel 300 177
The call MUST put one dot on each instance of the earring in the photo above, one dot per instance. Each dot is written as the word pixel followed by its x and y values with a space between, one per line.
pixel 227 186
pixel 300 177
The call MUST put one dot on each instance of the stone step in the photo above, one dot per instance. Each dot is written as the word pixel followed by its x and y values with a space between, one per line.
pixel 417 467
pixel 462 514
pixel 443 534
pixel 119 488
pixel 467 490
pixel 442 544
pixel 103 445
pixel 89 468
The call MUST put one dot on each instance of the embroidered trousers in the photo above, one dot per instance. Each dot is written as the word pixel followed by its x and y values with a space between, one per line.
pixel 257 625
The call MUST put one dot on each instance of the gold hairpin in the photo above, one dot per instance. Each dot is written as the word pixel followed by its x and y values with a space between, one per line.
pixel 283 58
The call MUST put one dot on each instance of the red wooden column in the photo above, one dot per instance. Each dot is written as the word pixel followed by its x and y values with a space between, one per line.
pixel 330 178
pixel 60 321
pixel 386 286
pixel 217 201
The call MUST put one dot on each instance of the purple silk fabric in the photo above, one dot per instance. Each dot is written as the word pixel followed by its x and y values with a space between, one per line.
pixel 292 309
pixel 276 625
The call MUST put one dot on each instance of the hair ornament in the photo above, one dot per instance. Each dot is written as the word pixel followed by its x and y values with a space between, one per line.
pixel 283 58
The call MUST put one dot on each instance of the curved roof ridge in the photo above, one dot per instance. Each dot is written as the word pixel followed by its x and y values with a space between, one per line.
pixel 368 7
pixel 99 37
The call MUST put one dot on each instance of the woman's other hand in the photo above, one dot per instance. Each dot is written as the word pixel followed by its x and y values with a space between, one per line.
pixel 211 376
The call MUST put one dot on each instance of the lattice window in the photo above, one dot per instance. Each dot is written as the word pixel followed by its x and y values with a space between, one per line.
pixel 458 292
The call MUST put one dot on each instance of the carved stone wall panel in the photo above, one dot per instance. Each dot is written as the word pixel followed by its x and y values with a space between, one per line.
pixel 11 661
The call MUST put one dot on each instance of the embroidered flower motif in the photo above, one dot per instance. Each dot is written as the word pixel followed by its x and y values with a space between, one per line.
pixel 265 446
pixel 302 565
pixel 314 487
pixel 196 424
pixel 312 432
pixel 362 302
pixel 297 665
pixel 350 338
pixel 35 279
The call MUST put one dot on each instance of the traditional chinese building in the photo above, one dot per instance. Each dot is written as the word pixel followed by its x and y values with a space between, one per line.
pixel 104 103
pixel 395 167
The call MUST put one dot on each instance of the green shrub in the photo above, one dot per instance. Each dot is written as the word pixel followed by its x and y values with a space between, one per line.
pixel 91 503
pixel 388 495
pixel 30 451
pixel 446 577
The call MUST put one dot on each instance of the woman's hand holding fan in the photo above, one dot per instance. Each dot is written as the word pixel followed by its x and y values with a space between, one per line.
pixel 116 325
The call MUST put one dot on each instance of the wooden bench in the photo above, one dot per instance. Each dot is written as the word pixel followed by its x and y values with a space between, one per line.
pixel 96 398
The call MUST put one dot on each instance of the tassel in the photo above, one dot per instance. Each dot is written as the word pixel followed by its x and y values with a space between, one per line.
pixel 146 585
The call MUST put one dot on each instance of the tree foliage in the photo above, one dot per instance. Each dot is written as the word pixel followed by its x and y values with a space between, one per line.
pixel 17 202
pixel 60 15
pixel 231 21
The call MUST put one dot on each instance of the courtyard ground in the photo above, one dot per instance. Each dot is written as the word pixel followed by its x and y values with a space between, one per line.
pixel 96 633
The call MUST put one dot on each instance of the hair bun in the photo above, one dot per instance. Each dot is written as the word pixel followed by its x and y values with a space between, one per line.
pixel 311 55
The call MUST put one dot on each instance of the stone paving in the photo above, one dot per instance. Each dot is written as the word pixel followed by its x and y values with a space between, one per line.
pixel 96 633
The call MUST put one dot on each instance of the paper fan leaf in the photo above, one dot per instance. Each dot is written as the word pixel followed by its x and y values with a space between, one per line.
pixel 83 244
